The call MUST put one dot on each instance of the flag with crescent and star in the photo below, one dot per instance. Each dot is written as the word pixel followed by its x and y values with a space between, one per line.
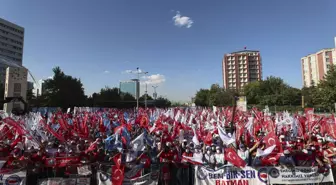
pixel 231 156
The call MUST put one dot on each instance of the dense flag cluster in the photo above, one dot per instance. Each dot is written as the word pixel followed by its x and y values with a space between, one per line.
pixel 132 141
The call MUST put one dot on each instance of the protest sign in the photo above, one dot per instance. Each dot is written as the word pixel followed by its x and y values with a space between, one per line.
pixel 229 175
pixel 298 175
pixel 148 179
pixel 17 178
pixel 65 181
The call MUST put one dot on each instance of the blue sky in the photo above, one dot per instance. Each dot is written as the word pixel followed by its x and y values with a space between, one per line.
pixel 98 41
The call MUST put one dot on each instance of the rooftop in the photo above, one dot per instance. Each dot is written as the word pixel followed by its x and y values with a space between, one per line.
pixel 11 24
pixel 244 51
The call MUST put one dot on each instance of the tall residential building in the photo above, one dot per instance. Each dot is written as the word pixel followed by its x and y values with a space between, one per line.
pixel 11 46
pixel 315 66
pixel 241 67
pixel 132 87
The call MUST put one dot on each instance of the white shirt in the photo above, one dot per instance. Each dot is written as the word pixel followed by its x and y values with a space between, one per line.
pixel 219 158
pixel 210 159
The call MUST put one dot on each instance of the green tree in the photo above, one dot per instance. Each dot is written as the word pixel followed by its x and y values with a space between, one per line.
pixel 253 92
pixel 202 98
pixel 162 102
pixel 272 91
pixel 142 98
pixel 63 91
pixel 308 93
pixel 325 93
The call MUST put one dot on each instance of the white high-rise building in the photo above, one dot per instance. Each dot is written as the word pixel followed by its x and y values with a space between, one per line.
pixel 11 46
pixel 315 66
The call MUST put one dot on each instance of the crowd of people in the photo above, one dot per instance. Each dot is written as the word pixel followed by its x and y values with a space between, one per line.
pixel 132 141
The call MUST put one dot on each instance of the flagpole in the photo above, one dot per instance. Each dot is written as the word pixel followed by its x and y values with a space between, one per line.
pixel 235 98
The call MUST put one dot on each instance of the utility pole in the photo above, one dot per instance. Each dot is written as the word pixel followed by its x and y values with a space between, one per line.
pixel 146 97
pixel 155 94
pixel 138 72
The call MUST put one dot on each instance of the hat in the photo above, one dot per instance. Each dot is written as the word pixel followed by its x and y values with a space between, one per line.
pixel 286 152
pixel 282 136
pixel 184 140
pixel 217 148
pixel 305 151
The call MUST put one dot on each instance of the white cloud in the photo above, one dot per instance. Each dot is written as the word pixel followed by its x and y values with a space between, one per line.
pixel 106 71
pixel 50 77
pixel 153 79
pixel 132 71
pixel 182 21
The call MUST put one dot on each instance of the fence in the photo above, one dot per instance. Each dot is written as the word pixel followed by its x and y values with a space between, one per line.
pixel 166 173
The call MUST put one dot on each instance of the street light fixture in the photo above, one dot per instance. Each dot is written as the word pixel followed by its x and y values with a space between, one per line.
pixel 155 94
pixel 138 91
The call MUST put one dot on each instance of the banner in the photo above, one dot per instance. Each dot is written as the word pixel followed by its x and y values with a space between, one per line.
pixel 229 175
pixel 148 179
pixel 297 175
pixel 13 178
pixel 63 181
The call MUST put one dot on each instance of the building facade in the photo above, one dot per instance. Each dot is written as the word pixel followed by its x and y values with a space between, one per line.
pixel 132 87
pixel 11 46
pixel 241 67
pixel 15 86
pixel 315 66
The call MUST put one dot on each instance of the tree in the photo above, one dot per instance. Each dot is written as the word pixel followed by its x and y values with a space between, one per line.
pixel 253 92
pixel 142 98
pixel 162 102
pixel 202 97
pixel 63 91
pixel 325 93
pixel 272 91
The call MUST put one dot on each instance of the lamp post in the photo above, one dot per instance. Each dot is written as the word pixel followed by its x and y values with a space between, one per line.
pixel 138 72
pixel 155 94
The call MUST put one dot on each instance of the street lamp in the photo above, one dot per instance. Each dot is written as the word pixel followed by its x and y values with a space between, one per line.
pixel 155 94
pixel 138 72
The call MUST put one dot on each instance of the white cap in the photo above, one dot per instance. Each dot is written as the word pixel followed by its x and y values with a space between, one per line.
pixel 286 152
pixel 305 151
pixel 282 136
pixel 313 148
pixel 334 149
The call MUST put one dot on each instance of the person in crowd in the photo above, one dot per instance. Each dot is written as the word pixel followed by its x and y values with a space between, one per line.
pixel 169 141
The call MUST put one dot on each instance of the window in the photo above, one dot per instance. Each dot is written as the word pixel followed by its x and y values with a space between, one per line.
pixel 17 88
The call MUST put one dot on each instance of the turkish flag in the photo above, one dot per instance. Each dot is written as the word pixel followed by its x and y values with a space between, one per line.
pixel 270 140
pixel 208 139
pixel 231 156
pixel 117 160
pixel 117 175
pixel 271 159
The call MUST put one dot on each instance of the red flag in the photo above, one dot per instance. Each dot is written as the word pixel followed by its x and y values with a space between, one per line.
pixel 270 140
pixel 59 161
pixel 208 139
pixel 117 160
pixel 271 159
pixel 117 175
pixel 232 157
